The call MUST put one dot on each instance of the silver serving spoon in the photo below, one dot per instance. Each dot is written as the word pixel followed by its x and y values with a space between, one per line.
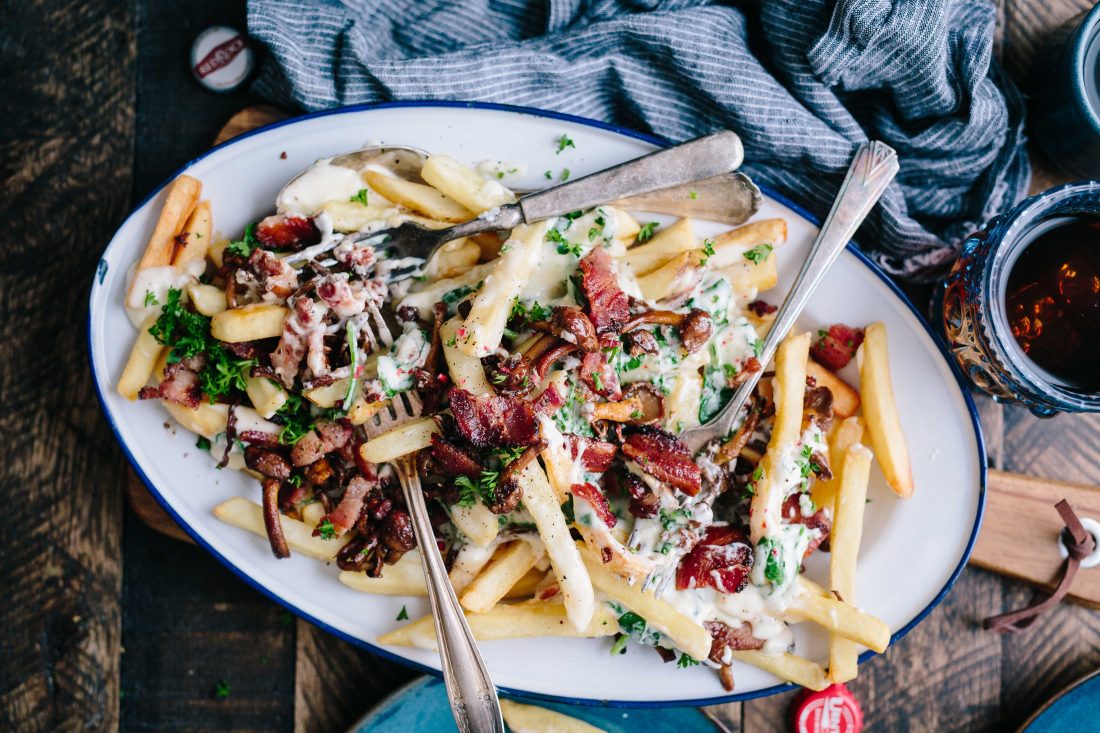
pixel 693 178
pixel 875 164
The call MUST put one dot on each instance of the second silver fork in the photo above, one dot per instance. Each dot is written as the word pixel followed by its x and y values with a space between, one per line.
pixel 472 695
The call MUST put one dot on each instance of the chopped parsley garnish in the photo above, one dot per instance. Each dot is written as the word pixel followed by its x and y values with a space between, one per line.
pixel 295 479
pixel 470 491
pixel 244 246
pixel 222 690
pixel 325 530
pixel 453 296
pixel 565 142
pixel 686 661
pixel 150 298
pixel 295 418
pixel 671 518
pixel 632 363
pixel 619 647
pixel 203 443
pixel 360 197
pixel 548 175
pixel 758 254
pixel 452 341
pixel 507 455
pixel 572 215
pixel 693 195
pixel 632 623
pixel 564 175
pixel 564 245
pixel 757 348
pixel 597 381
pixel 567 510
pixel 188 335
pixel 403 615
pixel 708 252
pixel 773 568
pixel 646 232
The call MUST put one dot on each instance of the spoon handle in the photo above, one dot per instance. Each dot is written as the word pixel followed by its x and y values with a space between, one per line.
pixel 704 157
pixel 473 697
pixel 874 166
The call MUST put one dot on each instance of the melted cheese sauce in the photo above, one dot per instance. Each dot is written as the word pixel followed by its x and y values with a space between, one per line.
pixel 323 182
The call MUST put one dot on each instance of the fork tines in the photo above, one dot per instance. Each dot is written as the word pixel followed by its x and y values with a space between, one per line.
pixel 404 407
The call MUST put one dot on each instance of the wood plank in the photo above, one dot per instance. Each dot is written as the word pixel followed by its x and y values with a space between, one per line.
pixel 1027 26
pixel 1063 645
pixel 1020 533
pixel 336 683
pixel 64 169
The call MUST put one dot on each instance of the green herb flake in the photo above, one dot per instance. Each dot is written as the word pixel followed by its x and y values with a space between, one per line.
pixel 564 245
pixel 693 195
pixel 360 197
pixel 403 615
pixel 150 298
pixel 203 443
pixel 325 530
pixel 708 252
pixel 646 232
pixel 758 254
pixel 221 691
pixel 549 175
pixel 565 142
pixel 243 247
pixel 686 661
pixel 564 175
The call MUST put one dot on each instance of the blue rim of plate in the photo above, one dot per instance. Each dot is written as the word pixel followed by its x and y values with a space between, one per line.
pixel 626 132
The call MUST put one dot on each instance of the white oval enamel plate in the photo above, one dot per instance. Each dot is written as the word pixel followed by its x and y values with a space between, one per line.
pixel 912 549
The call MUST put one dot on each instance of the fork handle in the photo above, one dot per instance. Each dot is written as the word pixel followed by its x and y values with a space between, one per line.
pixel 704 157
pixel 473 698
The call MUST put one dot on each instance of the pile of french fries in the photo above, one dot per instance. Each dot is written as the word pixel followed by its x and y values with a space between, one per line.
pixel 548 584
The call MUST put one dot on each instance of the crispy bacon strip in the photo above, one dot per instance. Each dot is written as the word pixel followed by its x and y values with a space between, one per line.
pixel 453 460
pixel 722 560
pixel 819 520
pixel 280 231
pixel 608 306
pixel 494 422
pixel 597 455
pixel 664 457
pixel 343 516
pixel 600 377
pixel 596 499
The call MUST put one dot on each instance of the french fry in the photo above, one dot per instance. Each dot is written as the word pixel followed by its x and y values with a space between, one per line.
pixel 569 569
pixel 312 514
pixel 205 419
pixel 789 389
pixel 403 578
pixel 880 410
pixel 419 198
pixel 402 440
pixel 197 236
pixel 844 550
pixel 361 410
pixel 183 194
pixel 352 216
pixel 665 245
pixel 483 328
pixel 626 226
pixel 468 562
pixel 790 667
pixel 464 185
pixel 266 396
pixel 676 276
pixel 511 562
pixel 207 299
pixel 839 617
pixel 846 433
pixel 452 259
pixel 423 300
pixel 689 636
pixel 248 515
pixel 730 247
pixel 682 402
pixel 249 323
pixel 143 360
pixel 748 277
pixel 216 252
pixel 526 586
pixel 508 621
pixel 466 371
pixel 328 395
pixel 476 522
pixel 845 396
pixel 533 719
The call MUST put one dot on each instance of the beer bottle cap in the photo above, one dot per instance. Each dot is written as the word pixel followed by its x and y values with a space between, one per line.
pixel 221 58
pixel 832 710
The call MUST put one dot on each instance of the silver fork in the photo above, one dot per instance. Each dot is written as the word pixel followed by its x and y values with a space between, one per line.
pixel 873 167
pixel 472 695
pixel 707 157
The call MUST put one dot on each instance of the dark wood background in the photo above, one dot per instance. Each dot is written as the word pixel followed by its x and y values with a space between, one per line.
pixel 106 624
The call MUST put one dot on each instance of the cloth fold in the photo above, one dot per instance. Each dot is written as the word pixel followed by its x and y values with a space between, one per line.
pixel 802 81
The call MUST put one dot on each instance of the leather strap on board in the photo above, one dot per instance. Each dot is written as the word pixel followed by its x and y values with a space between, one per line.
pixel 1080 544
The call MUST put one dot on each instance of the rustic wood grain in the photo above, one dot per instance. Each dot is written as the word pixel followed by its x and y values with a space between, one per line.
pixel 1065 644
pixel 1028 25
pixel 1020 533
pixel 336 683
pixel 67 131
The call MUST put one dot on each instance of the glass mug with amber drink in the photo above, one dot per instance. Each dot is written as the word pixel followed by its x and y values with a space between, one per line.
pixel 1021 307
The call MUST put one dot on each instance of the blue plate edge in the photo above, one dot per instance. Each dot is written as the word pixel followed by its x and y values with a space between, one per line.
pixel 654 140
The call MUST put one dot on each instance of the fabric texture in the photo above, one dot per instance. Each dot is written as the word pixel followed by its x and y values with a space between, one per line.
pixel 802 81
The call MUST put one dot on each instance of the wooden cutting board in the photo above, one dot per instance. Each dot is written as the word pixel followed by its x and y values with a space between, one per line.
pixel 1019 536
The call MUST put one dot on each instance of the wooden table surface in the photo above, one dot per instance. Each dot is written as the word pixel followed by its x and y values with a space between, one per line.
pixel 105 623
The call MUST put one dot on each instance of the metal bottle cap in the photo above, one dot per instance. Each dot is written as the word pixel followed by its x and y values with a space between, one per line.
pixel 832 710
pixel 221 58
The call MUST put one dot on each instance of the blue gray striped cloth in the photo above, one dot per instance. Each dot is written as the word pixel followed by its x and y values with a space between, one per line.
pixel 802 81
